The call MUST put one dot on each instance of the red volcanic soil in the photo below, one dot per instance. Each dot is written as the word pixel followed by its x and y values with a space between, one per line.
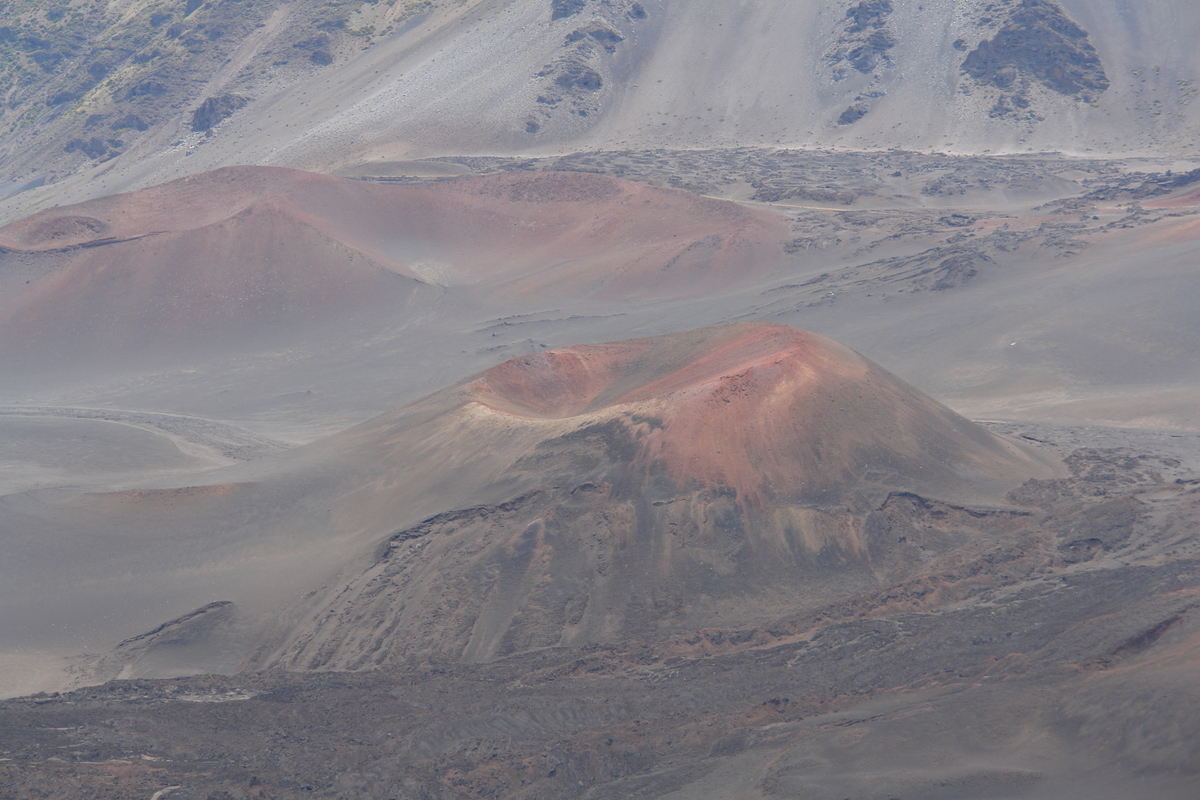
pixel 1166 233
pixel 508 228
pixel 260 269
pixel 241 250
pixel 764 409
pixel 1171 231
pixel 161 499
pixel 1189 197
pixel 572 233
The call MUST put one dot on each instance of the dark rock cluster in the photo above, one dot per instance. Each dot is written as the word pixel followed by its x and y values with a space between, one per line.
pixel 866 38
pixel 560 9
pixel 853 113
pixel 1037 42
pixel 573 80
pixel 215 110
pixel 863 46
pixel 95 147
pixel 143 72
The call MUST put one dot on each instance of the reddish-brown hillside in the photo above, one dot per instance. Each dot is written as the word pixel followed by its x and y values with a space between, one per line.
pixel 249 251
pixel 765 410
pixel 645 488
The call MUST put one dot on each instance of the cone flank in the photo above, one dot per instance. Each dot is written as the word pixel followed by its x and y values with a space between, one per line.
pixel 730 359
pixel 731 468
pixel 763 410
pixel 168 267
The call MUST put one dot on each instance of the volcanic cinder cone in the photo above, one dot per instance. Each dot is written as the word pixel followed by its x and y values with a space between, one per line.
pixel 640 489
pixel 240 256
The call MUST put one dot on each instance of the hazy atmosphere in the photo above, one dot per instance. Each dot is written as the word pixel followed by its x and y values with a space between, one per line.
pixel 599 399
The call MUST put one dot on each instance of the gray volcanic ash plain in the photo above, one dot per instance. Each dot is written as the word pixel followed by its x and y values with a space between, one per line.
pixel 599 399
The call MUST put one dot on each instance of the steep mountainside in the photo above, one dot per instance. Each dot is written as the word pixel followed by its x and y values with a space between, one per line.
pixel 87 82
pixel 347 83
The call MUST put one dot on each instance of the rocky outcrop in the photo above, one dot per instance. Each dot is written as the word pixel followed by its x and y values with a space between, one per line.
pixel 604 35
pixel 1037 43
pixel 863 46
pixel 147 66
pixel 94 148
pixel 208 639
pixel 853 113
pixel 575 80
pixel 215 110
pixel 865 39
pixel 560 9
